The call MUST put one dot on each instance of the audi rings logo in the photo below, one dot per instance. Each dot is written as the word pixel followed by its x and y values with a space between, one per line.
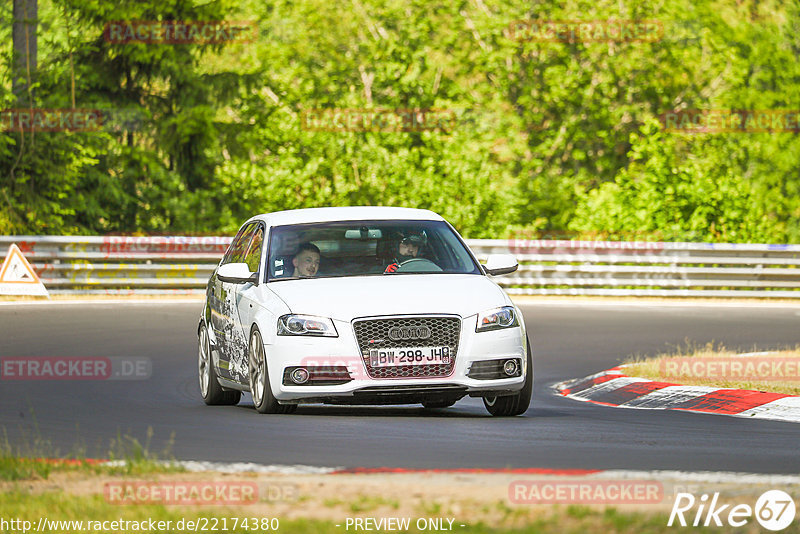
pixel 398 333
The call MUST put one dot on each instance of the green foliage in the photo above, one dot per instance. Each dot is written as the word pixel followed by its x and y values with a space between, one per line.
pixel 662 193
pixel 550 136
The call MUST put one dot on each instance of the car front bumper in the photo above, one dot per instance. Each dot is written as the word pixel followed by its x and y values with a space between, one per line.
pixel 343 352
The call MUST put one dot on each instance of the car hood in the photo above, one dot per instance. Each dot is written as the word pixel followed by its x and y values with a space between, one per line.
pixel 361 296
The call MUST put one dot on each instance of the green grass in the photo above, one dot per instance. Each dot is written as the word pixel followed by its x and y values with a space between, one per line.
pixel 15 468
pixel 36 458
pixel 431 508
pixel 138 459
pixel 366 504
pixel 578 511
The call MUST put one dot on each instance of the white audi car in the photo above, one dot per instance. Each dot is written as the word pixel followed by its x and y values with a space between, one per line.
pixel 360 305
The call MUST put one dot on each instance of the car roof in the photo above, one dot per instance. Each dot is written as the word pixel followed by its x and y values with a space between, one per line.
pixel 354 213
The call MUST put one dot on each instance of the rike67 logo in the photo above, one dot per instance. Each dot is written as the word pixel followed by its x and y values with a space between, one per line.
pixel 774 510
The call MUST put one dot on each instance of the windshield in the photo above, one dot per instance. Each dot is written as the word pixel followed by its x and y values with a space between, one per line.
pixel 359 248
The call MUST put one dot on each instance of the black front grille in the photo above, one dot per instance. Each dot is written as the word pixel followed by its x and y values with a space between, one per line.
pixel 439 389
pixel 375 334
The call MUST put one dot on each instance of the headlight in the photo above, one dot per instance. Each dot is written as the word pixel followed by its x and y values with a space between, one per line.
pixel 496 319
pixel 306 325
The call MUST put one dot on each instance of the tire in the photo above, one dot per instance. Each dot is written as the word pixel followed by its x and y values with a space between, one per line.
pixel 518 403
pixel 210 390
pixel 263 400
pixel 432 405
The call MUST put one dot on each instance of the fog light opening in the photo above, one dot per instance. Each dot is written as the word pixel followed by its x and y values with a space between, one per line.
pixel 510 367
pixel 299 375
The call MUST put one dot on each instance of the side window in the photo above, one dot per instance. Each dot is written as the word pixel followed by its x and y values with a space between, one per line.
pixel 238 248
pixel 282 247
pixel 253 256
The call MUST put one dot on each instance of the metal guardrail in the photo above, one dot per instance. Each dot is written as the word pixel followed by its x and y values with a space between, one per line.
pixel 654 269
pixel 117 265
pixel 178 264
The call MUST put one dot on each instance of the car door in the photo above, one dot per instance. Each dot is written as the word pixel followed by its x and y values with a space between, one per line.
pixel 244 299
pixel 230 342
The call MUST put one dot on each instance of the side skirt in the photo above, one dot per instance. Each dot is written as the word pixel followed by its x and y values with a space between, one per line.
pixel 230 384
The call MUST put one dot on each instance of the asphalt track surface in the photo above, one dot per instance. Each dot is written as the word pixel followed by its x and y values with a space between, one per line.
pixel 570 339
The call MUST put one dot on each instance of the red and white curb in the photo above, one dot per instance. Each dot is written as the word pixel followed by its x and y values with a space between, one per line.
pixel 614 388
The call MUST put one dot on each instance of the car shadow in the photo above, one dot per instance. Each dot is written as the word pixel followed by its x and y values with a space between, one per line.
pixel 465 411
pixel 411 410
pixel 400 410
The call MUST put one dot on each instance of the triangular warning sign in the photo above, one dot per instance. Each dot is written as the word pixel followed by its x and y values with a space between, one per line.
pixel 17 277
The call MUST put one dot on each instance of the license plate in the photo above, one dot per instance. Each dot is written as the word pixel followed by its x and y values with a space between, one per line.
pixel 409 356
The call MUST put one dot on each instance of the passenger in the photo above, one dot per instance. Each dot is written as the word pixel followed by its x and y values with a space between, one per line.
pixel 306 261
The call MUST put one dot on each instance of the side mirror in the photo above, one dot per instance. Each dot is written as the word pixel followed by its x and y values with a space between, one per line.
pixel 236 273
pixel 497 264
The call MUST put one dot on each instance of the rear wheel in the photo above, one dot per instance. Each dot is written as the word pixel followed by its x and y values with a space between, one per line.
pixel 212 392
pixel 518 403
pixel 263 400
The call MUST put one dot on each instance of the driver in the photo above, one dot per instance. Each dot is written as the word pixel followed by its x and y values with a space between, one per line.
pixel 409 247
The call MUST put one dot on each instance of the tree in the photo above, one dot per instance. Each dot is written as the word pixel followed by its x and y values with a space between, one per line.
pixel 24 38
pixel 668 196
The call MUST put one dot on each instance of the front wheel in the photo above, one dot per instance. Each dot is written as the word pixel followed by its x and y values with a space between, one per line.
pixel 212 392
pixel 263 400
pixel 518 403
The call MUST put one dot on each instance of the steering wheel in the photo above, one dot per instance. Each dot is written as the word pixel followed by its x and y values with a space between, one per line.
pixel 417 265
